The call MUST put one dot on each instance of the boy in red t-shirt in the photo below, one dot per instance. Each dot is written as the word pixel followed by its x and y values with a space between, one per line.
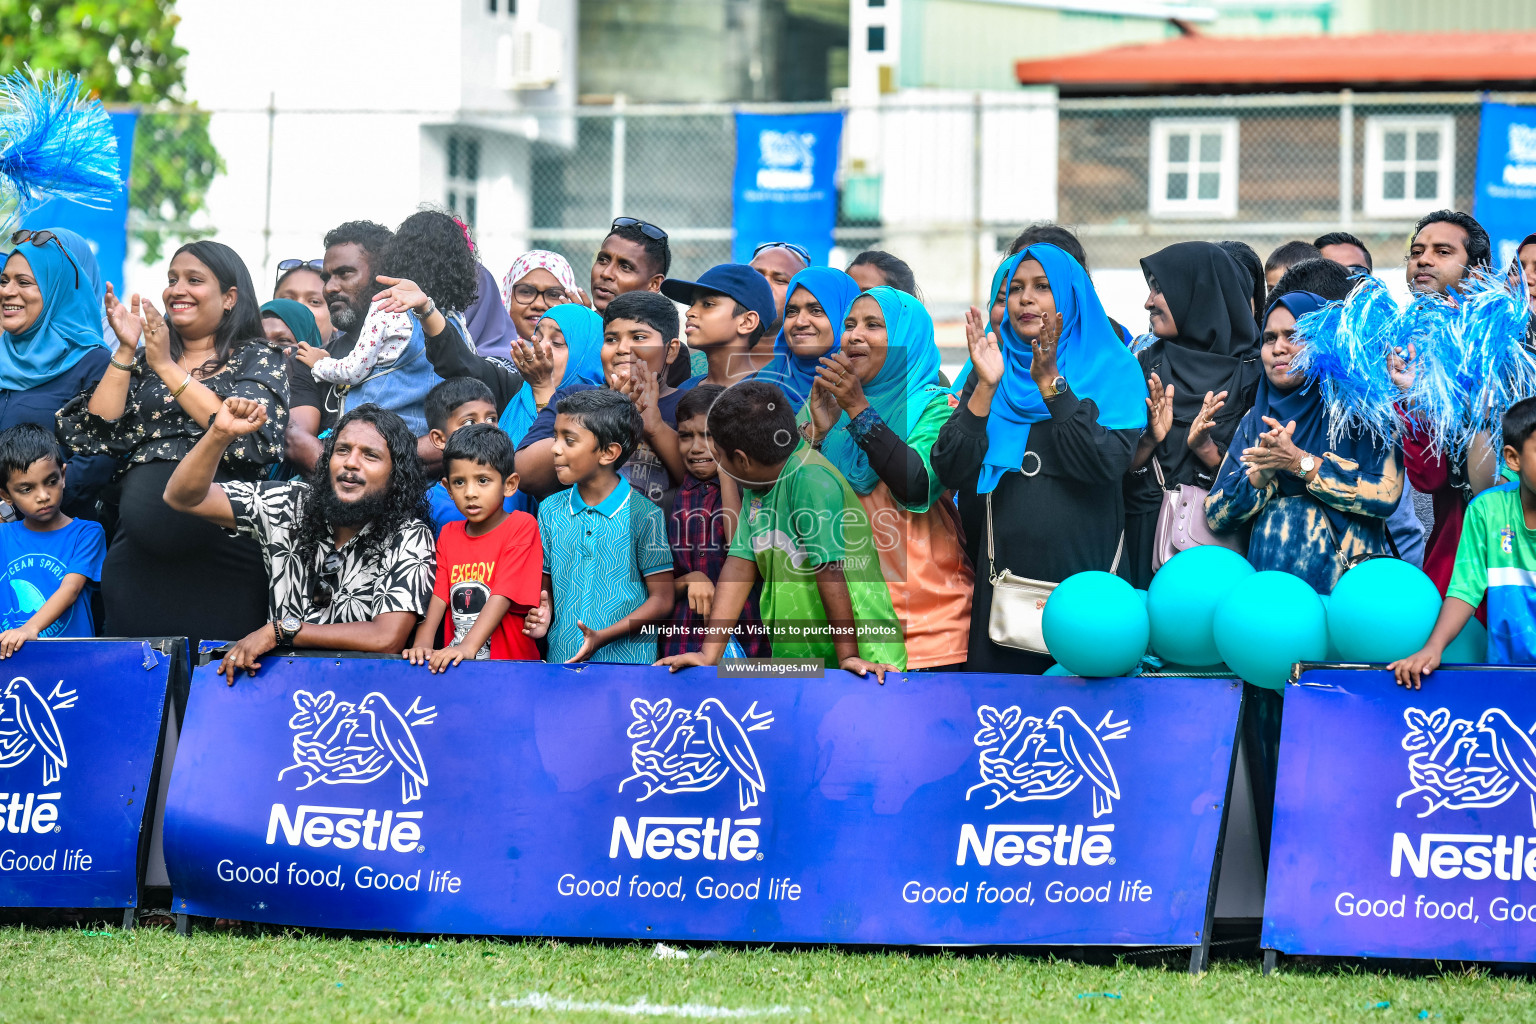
pixel 489 566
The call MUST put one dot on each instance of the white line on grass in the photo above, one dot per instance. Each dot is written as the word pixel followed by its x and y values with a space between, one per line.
pixel 643 1008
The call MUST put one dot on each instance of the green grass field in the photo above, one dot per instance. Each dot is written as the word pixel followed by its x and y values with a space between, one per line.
pixel 147 974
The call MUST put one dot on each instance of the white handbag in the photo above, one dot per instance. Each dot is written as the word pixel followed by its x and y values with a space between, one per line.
pixel 1018 604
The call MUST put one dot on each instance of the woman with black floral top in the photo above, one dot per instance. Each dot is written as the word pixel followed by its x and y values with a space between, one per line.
pixel 168 573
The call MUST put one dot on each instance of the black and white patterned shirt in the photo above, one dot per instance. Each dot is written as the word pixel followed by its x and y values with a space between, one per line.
pixel 397 578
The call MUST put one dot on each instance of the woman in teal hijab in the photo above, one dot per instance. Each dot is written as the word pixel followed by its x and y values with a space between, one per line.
pixel 876 409
pixel 567 348
pixel 50 311
pixel 816 302
pixel 296 318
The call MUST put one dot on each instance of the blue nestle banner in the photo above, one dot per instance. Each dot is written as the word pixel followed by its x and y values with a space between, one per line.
pixel 785 186
pixel 1405 821
pixel 79 729
pixel 620 802
pixel 1505 199
pixel 106 229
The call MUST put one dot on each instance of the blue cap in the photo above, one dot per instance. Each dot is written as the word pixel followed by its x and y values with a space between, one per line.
pixel 737 280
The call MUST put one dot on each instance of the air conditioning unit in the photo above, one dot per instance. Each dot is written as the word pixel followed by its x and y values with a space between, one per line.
pixel 530 57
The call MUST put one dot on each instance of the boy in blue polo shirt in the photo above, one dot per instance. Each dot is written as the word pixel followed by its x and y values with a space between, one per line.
pixel 1496 557
pixel 607 562
pixel 49 559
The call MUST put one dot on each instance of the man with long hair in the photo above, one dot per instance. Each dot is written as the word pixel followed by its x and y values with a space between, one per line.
pixel 349 554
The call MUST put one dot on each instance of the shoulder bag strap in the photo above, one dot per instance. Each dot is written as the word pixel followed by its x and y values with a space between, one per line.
pixel 991 568
pixel 1157 471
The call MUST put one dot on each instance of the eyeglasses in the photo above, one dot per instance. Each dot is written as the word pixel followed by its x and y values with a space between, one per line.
pixel 323 587
pixel 526 293
pixel 283 266
pixel 42 238
pixel 647 229
pixel 799 251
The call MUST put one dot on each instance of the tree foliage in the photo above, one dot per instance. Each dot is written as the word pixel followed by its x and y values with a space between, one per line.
pixel 125 51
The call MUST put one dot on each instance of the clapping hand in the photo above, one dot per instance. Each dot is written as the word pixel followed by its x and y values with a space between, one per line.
pixel 824 410
pixel 1275 452
pixel 1159 408
pixel 535 360
pixel 126 323
pixel 1200 429
pixel 157 335
pixel 986 358
pixel 836 376
pixel 1042 369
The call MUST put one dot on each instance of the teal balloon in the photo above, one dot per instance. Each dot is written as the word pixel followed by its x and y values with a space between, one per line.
pixel 1182 600
pixel 1266 623
pixel 1056 670
pixel 1095 625
pixel 1470 646
pixel 1382 610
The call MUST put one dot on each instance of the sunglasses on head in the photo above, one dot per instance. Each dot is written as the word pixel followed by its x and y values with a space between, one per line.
pixel 283 266
pixel 799 251
pixel 42 238
pixel 323 587
pixel 647 229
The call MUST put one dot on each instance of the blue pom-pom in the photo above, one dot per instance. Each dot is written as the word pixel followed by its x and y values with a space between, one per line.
pixel 55 143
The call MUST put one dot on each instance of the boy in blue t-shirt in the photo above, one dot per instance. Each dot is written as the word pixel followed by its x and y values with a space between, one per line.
pixel 1496 557
pixel 49 559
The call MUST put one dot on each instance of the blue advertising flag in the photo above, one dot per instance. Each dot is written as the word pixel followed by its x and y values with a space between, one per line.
pixel 1505 199
pixel 785 186
pixel 105 229
pixel 79 729
pixel 621 801
pixel 1405 821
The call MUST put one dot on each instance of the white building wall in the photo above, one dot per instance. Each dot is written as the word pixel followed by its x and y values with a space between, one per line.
pixel 365 91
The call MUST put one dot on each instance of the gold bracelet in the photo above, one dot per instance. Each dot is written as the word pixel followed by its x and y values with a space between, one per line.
pixel 125 367
pixel 183 387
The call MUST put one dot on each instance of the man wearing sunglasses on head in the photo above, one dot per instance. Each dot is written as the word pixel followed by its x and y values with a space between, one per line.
pixel 635 257
pixel 779 262
pixel 349 559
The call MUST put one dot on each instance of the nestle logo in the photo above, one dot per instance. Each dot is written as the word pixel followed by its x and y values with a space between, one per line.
pixel 1037 845
pixel 658 838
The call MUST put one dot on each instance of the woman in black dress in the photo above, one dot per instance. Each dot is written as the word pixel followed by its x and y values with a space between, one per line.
pixel 1045 428
pixel 166 573
pixel 1201 374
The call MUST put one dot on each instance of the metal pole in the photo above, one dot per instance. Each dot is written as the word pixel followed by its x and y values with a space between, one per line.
pixel 616 183
pixel 976 220
pixel 1346 158
pixel 266 223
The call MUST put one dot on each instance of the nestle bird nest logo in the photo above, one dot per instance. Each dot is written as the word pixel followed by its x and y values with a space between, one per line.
pixel 1028 758
pixel 27 724
pixel 677 750
pixel 338 742
pixel 1457 764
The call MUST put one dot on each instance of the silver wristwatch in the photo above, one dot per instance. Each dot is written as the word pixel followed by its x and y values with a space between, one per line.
pixel 1307 464
pixel 431 308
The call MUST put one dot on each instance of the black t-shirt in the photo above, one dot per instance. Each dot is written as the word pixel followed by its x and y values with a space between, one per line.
pixel 305 390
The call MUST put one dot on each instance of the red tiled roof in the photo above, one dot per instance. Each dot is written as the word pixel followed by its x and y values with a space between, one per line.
pixel 1386 58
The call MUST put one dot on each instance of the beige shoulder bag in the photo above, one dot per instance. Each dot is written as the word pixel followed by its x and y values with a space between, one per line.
pixel 1018 604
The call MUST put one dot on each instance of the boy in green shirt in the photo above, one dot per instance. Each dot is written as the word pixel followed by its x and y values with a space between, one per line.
pixel 1496 558
pixel 806 536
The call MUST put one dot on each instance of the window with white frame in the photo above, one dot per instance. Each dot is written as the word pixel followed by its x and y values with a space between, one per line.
pixel 463 177
pixel 1408 165
pixel 1194 167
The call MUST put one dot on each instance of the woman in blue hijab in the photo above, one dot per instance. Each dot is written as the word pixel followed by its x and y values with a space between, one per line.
pixel 1043 431
pixel 567 348
pixel 1314 507
pixel 815 304
pixel 876 409
pixel 51 314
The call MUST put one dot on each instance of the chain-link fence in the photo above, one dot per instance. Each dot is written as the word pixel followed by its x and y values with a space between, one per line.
pixel 943 179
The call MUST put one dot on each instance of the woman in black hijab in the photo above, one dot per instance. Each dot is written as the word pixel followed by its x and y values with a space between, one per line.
pixel 1202 373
